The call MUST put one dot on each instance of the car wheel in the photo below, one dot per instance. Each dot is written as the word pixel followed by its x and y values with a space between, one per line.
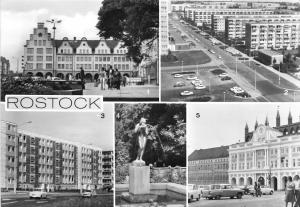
pixel 239 196
pixel 271 192
pixel 217 197
pixel 189 200
pixel 231 197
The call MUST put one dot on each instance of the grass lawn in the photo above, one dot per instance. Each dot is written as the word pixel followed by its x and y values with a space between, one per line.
pixel 188 58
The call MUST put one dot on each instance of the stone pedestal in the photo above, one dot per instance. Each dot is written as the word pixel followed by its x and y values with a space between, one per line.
pixel 139 179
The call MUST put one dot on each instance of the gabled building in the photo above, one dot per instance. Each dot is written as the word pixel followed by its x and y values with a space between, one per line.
pixel 62 58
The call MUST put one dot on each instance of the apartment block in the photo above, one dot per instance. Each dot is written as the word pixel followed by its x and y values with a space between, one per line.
pixel 204 16
pixel 272 35
pixel 31 160
pixel 235 27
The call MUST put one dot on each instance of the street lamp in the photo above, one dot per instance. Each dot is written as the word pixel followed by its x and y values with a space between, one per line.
pixel 182 66
pixel 255 77
pixel 53 22
pixel 224 93
pixel 279 75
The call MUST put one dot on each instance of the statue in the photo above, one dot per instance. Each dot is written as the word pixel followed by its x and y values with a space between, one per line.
pixel 142 131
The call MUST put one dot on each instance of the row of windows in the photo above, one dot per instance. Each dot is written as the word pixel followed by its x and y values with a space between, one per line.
pixel 39 50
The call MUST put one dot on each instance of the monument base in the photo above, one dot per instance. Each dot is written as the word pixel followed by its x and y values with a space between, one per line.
pixel 145 198
pixel 139 180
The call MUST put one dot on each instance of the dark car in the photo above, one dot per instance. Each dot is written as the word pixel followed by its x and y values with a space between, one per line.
pixel 226 78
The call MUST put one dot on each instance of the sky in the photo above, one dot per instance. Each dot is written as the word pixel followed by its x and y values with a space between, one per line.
pixel 224 124
pixel 82 127
pixel 19 17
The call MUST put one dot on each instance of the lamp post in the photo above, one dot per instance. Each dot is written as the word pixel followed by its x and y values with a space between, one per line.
pixel 224 93
pixel 279 75
pixel 182 66
pixel 53 22
pixel 255 78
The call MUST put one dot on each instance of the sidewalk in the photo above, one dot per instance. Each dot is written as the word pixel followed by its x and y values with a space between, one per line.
pixel 149 92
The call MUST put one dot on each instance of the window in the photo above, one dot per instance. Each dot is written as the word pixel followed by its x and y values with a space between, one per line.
pixel 48 58
pixel 48 66
pixel 39 51
pixel 29 58
pixel 49 50
pixel 39 58
pixel 39 65
pixel 30 50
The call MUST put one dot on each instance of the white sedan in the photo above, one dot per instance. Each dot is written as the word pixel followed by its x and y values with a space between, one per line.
pixel 223 75
pixel 195 82
pixel 38 193
pixel 237 89
pixel 186 93
pixel 178 76
pixel 192 78
pixel 265 190
pixel 199 87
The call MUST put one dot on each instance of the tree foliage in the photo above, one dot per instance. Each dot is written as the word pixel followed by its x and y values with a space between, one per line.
pixel 168 148
pixel 131 21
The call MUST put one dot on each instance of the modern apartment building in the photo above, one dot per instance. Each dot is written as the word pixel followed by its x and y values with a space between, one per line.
pixel 31 160
pixel 235 27
pixel 164 27
pixel 62 58
pixel 204 16
pixel 269 155
pixel 272 35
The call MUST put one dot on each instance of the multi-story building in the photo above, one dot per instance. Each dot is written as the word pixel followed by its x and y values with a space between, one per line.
pixel 62 58
pixel 204 16
pixel 164 27
pixel 8 154
pixel 31 160
pixel 108 167
pixel 268 155
pixel 5 66
pixel 235 27
pixel 272 35
pixel 208 166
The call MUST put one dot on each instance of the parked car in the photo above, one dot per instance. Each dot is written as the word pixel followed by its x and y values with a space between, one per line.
pixel 38 193
pixel 87 194
pixel 223 75
pixel 225 78
pixel 179 84
pixel 186 93
pixel 192 78
pixel 265 190
pixel 218 191
pixel 195 82
pixel 199 87
pixel 193 192
pixel 245 188
pixel 178 76
pixel 211 51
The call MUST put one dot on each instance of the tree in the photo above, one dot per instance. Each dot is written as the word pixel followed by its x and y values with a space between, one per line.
pixel 133 22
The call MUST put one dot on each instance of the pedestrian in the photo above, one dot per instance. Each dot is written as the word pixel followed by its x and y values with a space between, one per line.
pixel 82 78
pixel 297 191
pixel 289 192
pixel 96 79
pixel 256 189
pixel 118 79
pixel 102 78
pixel 124 80
pixel 259 189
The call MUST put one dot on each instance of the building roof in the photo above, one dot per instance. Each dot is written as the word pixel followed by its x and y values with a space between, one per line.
pixel 211 153
pixel 92 43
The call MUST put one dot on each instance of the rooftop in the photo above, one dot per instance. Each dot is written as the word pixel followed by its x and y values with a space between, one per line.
pixel 210 153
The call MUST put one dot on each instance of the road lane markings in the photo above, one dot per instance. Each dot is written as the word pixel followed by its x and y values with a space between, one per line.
pixel 9 202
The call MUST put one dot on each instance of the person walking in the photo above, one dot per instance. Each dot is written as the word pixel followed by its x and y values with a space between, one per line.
pixel 297 191
pixel 82 78
pixel 289 192
pixel 118 79
pixel 256 189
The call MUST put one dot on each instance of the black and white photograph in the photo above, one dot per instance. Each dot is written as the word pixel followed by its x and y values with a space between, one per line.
pixel 150 152
pixel 80 47
pixel 230 51
pixel 57 159
pixel 243 154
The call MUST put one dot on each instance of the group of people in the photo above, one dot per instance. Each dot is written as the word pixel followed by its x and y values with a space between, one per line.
pixel 292 192
pixel 257 189
pixel 107 78
pixel 110 77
